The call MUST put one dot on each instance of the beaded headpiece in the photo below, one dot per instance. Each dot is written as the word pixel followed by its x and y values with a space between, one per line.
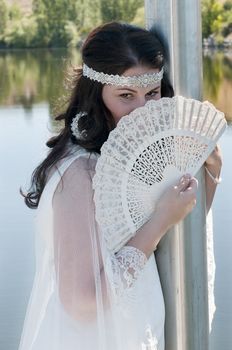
pixel 75 128
pixel 142 80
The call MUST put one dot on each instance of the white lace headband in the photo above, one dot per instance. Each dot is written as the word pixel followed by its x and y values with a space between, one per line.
pixel 142 80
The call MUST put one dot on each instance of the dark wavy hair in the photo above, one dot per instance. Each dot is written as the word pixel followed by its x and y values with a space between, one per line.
pixel 110 48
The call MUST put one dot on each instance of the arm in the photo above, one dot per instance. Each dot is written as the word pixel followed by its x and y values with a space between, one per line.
pixel 73 252
pixel 213 164
pixel 172 207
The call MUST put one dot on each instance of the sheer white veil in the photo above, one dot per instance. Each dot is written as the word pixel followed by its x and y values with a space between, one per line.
pixel 85 297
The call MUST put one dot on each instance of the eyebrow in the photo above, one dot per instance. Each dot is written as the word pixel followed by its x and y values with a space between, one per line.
pixel 128 89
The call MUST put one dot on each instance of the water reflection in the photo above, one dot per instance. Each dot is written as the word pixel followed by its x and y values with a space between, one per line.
pixel 217 82
pixel 29 77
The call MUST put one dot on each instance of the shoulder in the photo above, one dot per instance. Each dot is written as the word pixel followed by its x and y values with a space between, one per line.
pixel 77 175
pixel 84 165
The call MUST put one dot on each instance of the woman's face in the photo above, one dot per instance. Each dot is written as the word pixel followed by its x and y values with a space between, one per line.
pixel 122 100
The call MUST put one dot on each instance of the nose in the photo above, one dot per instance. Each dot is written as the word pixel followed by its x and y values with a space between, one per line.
pixel 139 102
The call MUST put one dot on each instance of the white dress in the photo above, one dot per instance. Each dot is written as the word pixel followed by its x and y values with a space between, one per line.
pixel 82 298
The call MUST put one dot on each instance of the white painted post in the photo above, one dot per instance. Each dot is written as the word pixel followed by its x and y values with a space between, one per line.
pixel 181 257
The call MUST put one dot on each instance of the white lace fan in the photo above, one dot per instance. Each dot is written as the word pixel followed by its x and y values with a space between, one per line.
pixel 150 149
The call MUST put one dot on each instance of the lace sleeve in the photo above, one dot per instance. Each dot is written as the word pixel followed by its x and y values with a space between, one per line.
pixel 124 268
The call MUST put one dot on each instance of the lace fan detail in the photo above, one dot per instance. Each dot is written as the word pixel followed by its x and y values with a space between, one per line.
pixel 148 151
pixel 124 268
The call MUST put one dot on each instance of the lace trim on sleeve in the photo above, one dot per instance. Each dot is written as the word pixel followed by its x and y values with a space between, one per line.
pixel 124 268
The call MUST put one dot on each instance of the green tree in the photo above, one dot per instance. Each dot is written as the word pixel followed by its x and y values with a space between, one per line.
pixel 124 10
pixel 3 17
pixel 85 14
pixel 51 17
pixel 227 5
pixel 21 33
pixel 139 19
pixel 212 17
pixel 14 12
pixel 227 18
pixel 63 21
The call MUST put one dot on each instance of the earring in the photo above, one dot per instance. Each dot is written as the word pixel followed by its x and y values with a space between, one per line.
pixel 74 126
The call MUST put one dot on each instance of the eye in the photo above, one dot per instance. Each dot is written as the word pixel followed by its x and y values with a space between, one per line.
pixel 152 93
pixel 126 95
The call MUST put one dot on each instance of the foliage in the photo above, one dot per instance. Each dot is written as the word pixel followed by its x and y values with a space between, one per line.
pixel 216 18
pixel 21 33
pixel 211 17
pixel 51 18
pixel 72 33
pixel 139 19
pixel 227 18
pixel 66 22
pixel 14 12
pixel 119 10
pixel 19 30
pixel 227 5
pixel 3 16
pixel 56 20
pixel 85 14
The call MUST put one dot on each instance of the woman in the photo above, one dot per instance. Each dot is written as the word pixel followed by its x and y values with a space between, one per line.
pixel 85 297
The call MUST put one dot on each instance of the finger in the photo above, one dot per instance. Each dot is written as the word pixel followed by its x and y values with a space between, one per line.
pixel 193 185
pixel 183 182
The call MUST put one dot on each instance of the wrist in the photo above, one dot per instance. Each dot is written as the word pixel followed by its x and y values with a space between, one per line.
pixel 159 220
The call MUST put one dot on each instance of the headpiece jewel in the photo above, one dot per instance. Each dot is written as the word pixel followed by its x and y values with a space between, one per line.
pixel 75 128
pixel 142 80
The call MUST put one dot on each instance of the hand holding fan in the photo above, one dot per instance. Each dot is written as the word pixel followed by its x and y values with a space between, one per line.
pixel 150 149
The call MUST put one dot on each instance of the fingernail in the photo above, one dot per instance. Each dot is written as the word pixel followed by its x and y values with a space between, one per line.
pixel 182 180
pixel 185 178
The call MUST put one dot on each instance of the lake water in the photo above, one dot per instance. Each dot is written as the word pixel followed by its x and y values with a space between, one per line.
pixel 30 84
